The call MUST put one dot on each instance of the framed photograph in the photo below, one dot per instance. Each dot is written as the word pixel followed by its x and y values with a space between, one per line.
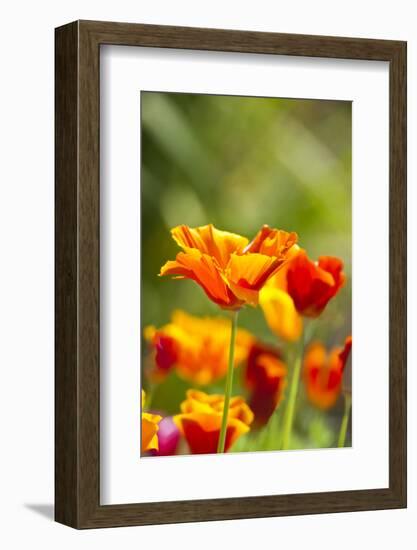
pixel 230 274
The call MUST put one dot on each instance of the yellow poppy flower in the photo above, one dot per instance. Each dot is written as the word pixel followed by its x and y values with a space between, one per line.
pixel 149 428
pixel 280 313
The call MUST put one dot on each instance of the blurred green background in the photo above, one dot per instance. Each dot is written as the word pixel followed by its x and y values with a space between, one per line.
pixel 241 162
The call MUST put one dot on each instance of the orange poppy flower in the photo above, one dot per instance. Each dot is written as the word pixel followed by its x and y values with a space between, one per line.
pixel 230 271
pixel 198 347
pixel 201 417
pixel 323 373
pixel 266 378
pixel 149 429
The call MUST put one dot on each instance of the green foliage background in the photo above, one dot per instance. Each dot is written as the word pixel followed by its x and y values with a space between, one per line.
pixel 241 162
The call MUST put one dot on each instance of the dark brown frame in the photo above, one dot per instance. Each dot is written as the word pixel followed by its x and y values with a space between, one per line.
pixel 77 274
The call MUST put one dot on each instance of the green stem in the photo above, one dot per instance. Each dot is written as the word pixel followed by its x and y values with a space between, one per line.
pixel 229 384
pixel 345 421
pixel 150 395
pixel 292 396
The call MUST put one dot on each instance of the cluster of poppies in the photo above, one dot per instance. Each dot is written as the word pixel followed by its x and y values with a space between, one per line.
pixel 271 271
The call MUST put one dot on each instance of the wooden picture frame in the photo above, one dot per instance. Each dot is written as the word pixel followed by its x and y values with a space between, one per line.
pixel 77 374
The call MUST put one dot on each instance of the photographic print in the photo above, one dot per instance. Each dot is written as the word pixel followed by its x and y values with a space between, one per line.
pixel 246 274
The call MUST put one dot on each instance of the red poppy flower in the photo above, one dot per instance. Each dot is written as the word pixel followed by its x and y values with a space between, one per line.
pixel 266 377
pixel 311 285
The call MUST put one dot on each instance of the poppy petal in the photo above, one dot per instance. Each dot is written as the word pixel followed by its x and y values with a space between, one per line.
pixel 272 242
pixel 204 271
pixel 209 240
pixel 280 313
pixel 149 431
pixel 247 274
